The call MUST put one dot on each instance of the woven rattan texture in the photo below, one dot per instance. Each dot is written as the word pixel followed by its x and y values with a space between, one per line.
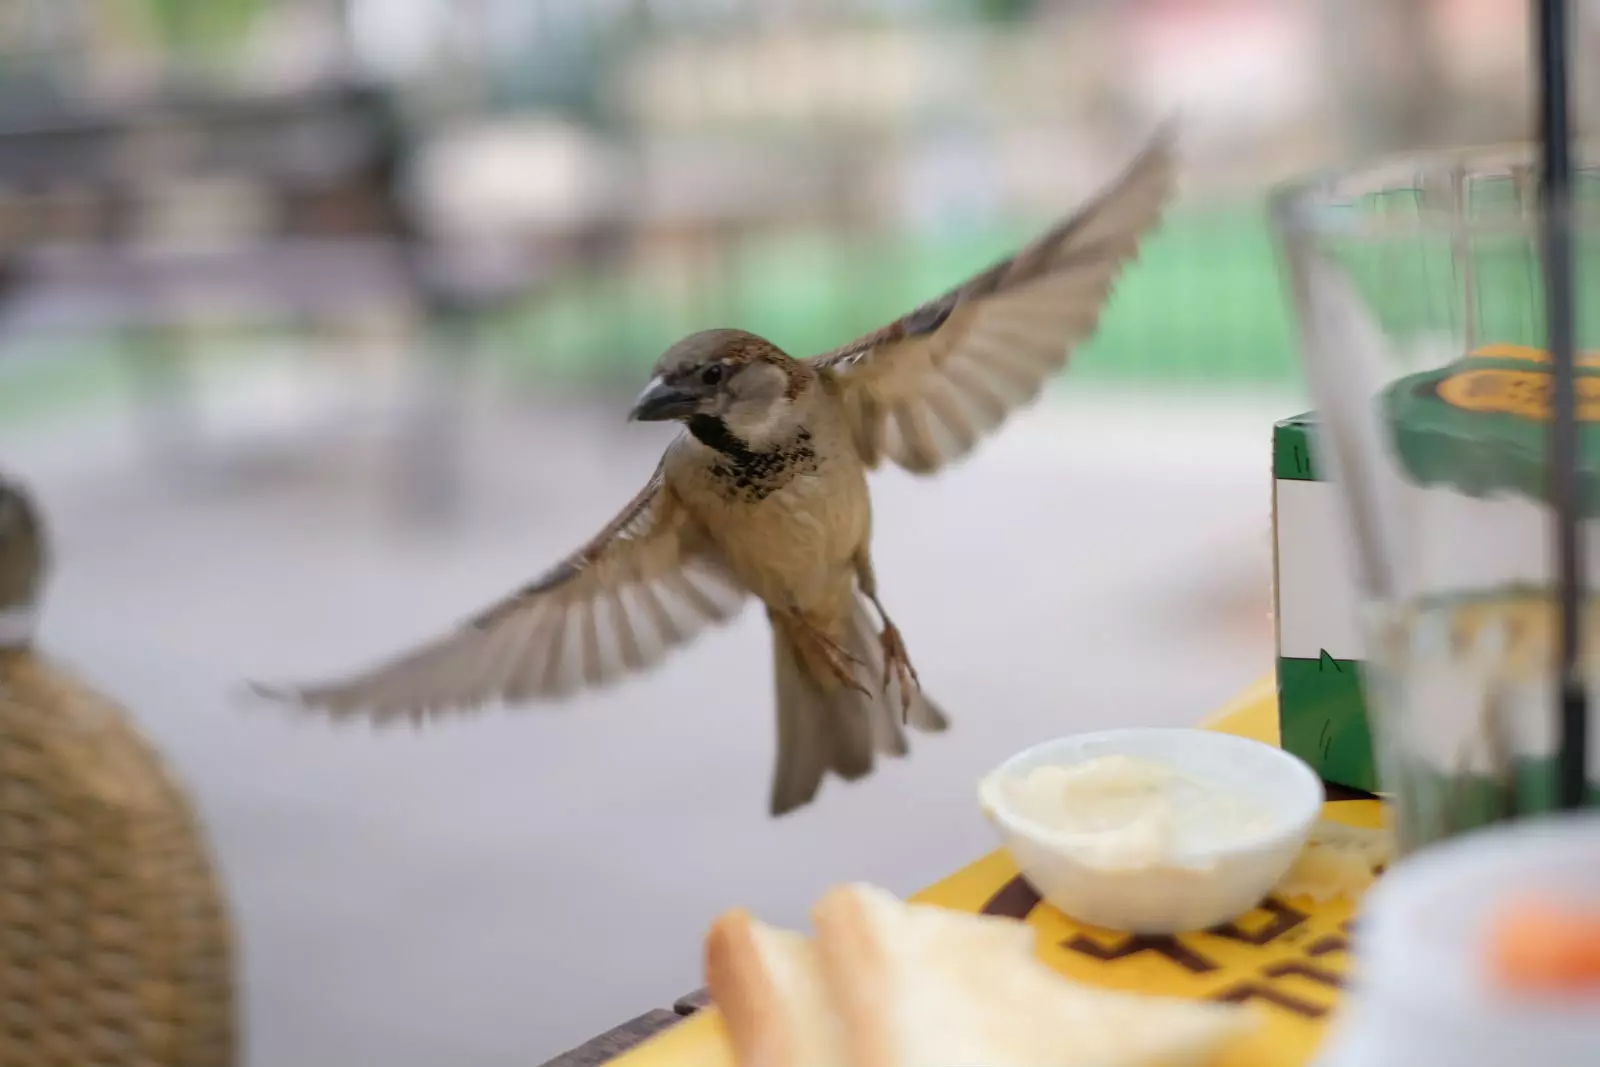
pixel 115 944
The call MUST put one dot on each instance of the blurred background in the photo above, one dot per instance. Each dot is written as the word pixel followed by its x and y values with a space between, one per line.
pixel 318 322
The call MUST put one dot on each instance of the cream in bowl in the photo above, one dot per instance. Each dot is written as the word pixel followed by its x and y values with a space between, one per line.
pixel 1153 830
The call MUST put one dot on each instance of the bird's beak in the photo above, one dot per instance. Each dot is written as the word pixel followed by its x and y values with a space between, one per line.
pixel 660 402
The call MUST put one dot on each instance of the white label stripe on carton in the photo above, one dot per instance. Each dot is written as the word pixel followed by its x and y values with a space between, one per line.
pixel 1316 584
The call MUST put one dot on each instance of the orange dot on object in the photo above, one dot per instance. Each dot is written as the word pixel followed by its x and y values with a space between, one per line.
pixel 1540 945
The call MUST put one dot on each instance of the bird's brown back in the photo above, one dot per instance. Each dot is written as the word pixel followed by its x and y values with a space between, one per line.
pixel 114 933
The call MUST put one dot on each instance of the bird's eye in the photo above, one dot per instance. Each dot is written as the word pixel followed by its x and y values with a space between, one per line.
pixel 712 374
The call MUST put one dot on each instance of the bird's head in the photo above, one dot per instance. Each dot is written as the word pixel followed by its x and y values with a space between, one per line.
pixel 23 554
pixel 741 380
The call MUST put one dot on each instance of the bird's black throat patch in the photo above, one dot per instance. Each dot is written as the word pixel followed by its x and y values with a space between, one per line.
pixel 714 433
pixel 747 473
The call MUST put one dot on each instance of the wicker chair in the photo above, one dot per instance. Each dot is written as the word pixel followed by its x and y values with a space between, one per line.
pixel 115 943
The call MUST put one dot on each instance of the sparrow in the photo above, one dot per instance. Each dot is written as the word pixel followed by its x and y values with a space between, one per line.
pixel 114 925
pixel 764 494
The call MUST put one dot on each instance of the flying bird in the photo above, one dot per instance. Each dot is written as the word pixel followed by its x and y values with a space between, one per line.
pixel 764 494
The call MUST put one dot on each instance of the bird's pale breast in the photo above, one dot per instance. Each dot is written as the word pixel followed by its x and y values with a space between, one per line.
pixel 790 533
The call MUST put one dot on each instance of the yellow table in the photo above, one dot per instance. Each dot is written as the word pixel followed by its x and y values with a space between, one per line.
pixel 1288 957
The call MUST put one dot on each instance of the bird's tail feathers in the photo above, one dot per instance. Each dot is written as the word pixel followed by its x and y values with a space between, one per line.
pixel 824 726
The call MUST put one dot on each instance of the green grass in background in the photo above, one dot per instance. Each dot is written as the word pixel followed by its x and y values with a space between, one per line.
pixel 1203 305
pixel 55 376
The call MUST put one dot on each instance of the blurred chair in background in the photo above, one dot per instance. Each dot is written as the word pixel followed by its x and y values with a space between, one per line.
pixel 114 929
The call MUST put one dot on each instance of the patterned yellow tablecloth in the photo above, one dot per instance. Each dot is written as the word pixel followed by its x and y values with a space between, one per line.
pixel 1289 957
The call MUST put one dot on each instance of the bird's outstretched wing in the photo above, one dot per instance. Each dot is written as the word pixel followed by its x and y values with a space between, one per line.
pixel 924 389
pixel 647 583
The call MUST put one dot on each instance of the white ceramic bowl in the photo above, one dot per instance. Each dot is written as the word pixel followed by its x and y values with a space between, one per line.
pixel 1199 888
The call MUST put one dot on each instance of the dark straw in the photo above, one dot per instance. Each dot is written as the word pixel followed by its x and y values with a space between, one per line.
pixel 1555 134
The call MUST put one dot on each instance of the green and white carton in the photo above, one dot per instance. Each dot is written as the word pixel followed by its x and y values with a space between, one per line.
pixel 1321 712
pixel 1474 430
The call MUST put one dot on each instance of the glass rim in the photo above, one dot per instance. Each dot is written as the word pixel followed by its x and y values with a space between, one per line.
pixel 1328 201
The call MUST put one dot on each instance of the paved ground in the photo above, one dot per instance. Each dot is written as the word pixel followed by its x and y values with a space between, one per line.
pixel 493 891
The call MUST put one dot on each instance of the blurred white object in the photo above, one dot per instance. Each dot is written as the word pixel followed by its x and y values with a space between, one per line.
pixel 1229 68
pixel 294 47
pixel 536 175
pixel 1427 995
pixel 840 73
pixel 396 38
pixel 1207 880
pixel 950 177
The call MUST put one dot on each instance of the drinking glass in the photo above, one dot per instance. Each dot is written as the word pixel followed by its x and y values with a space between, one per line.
pixel 1417 286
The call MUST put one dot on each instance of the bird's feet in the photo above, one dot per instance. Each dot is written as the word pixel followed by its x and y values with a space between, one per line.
pixel 834 657
pixel 897 664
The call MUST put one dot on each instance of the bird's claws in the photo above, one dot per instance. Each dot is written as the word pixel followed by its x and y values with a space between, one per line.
pixel 897 664
pixel 846 674
pixel 839 660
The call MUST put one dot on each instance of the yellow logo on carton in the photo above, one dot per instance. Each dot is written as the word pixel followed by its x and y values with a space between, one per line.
pixel 1524 393
pixel 1501 350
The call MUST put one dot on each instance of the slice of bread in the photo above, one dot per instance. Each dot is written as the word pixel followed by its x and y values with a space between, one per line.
pixel 919 986
pixel 767 983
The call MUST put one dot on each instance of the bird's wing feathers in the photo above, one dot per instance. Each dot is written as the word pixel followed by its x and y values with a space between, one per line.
pixel 923 390
pixel 647 583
